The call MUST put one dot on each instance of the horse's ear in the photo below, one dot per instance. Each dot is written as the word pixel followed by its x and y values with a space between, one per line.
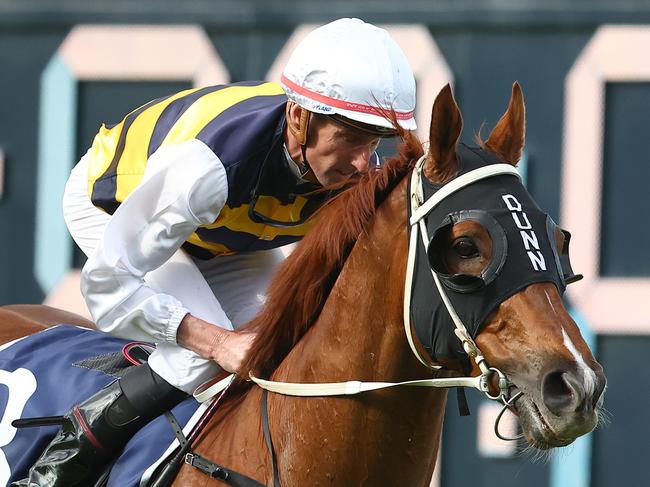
pixel 508 137
pixel 446 125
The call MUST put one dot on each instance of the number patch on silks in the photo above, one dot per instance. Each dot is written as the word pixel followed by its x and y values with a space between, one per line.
pixel 45 375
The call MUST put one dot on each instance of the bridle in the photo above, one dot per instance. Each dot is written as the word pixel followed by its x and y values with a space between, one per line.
pixel 419 211
pixel 420 208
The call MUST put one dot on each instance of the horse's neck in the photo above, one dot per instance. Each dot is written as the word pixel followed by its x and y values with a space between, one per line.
pixel 360 336
pixel 376 439
pixel 360 330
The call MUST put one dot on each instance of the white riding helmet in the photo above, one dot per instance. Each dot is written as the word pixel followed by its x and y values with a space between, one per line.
pixel 351 68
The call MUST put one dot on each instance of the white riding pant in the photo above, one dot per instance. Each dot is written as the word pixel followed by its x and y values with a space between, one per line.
pixel 225 290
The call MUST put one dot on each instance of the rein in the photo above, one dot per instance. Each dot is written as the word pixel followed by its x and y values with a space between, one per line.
pixel 419 211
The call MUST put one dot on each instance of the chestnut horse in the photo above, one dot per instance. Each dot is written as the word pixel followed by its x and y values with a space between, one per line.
pixel 334 312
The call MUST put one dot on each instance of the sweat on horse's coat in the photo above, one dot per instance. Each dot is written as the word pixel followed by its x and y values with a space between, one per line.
pixel 45 375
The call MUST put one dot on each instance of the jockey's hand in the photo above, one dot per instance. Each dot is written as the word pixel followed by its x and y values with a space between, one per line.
pixel 231 348
pixel 228 348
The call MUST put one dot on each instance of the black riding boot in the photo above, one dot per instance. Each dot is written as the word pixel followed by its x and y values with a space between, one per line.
pixel 96 431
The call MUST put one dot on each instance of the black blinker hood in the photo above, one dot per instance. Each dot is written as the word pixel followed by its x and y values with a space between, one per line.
pixel 524 252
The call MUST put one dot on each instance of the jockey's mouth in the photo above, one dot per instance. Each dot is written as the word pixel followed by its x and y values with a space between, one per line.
pixel 346 174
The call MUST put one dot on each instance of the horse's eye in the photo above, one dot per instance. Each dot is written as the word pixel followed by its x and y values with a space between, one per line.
pixel 465 248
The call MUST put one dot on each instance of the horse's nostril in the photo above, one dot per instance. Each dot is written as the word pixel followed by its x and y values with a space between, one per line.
pixel 562 393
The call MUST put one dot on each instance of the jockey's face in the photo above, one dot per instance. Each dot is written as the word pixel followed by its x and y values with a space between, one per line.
pixel 334 152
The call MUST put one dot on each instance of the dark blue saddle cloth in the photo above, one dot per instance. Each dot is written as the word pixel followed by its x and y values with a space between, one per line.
pixel 45 375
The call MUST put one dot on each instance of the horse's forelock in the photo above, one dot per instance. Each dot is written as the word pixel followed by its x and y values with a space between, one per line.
pixel 301 285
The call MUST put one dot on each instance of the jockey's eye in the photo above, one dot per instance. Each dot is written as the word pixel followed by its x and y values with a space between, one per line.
pixel 465 248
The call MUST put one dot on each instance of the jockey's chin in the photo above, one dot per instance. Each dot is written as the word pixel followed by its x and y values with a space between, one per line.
pixel 336 176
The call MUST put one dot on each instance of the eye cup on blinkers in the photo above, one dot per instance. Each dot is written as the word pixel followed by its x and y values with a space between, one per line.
pixel 467 283
pixel 562 256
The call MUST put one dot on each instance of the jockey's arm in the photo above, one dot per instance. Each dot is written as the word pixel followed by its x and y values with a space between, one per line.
pixel 185 186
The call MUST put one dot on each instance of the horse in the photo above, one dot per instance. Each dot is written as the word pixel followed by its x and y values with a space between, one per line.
pixel 335 312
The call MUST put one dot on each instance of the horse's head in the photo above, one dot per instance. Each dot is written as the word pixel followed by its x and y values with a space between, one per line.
pixel 504 266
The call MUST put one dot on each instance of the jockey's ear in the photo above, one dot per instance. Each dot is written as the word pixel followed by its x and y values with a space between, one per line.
pixel 446 126
pixel 508 136
pixel 298 121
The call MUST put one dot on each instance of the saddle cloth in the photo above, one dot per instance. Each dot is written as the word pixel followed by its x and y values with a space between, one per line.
pixel 46 374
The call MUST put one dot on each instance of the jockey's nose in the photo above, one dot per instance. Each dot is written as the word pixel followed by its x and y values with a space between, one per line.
pixel 360 163
pixel 564 393
pixel 361 159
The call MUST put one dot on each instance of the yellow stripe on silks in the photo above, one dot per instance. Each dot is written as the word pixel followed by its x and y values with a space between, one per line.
pixel 215 248
pixel 209 106
pixel 105 144
pixel 102 152
pixel 237 220
pixel 134 157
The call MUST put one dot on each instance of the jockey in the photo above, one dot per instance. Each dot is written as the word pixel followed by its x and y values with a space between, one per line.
pixel 181 209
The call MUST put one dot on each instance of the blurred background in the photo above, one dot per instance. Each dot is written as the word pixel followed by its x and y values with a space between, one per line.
pixel 66 66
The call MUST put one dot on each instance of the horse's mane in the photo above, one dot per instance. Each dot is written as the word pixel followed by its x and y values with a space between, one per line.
pixel 301 285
